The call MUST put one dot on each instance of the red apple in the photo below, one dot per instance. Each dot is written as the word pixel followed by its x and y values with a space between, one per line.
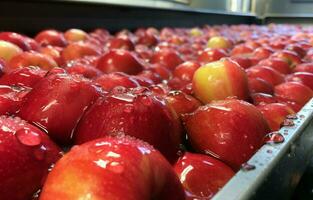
pixel 244 62
pixel 57 103
pixel 17 39
pixel 241 50
pixel 186 70
pixel 54 52
pixel 117 168
pixel 210 55
pixel 120 43
pixel 169 58
pixel 11 98
pixel 304 67
pixel 51 37
pixel 227 128
pixel 293 91
pixel 219 80
pixel 262 53
pixel 289 56
pixel 202 176
pixel 134 112
pixel 259 85
pixel 275 114
pixel 119 60
pixel 26 155
pixel 112 80
pixel 277 64
pixel 305 78
pixel 26 77
pixel 181 102
pixel 268 74
pixel 262 98
pixel 85 70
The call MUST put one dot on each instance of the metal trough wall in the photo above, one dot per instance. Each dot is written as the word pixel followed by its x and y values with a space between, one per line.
pixel 278 167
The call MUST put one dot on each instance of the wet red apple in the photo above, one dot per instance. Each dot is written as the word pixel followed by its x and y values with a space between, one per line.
pixel 120 168
pixel 26 154
pixel 230 130
pixel 167 57
pixel 210 55
pixel 57 103
pixel 268 74
pixel 275 114
pixel 135 112
pixel 51 37
pixel 305 78
pixel 202 176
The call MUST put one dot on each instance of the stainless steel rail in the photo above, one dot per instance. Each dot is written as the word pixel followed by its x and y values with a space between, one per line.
pixel 278 167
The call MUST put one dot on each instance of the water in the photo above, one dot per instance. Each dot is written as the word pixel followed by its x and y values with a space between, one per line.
pixel 28 137
pixel 274 138
pixel 247 167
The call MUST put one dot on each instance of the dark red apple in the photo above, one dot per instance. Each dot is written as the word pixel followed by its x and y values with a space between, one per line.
pixel 262 98
pixel 268 74
pixel 186 70
pixel 277 64
pixel 257 85
pixel 167 57
pixel 119 60
pixel 210 55
pixel 51 37
pixel 112 80
pixel 305 78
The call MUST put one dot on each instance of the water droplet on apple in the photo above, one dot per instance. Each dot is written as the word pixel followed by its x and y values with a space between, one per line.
pixel 36 194
pixel 28 137
pixel 124 97
pixel 175 93
pixel 292 116
pixel 288 122
pixel 274 138
pixel 147 101
pixel 129 108
pixel 247 167
pixel 51 167
pixel 116 167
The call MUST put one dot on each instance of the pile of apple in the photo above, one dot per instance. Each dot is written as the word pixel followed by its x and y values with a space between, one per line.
pixel 165 114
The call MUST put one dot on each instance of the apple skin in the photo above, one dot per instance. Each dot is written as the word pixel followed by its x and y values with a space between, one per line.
pixel 186 70
pixel 262 53
pixel 8 50
pixel 26 155
pixel 268 74
pixel 241 50
pixel 109 81
pixel 11 98
pixel 119 60
pixel 305 78
pixel 294 92
pixel 27 59
pixel 55 94
pixel 97 168
pixel 262 98
pixel 17 39
pixel 244 62
pixel 181 102
pixel 202 176
pixel 167 57
pixel 289 56
pixel 51 37
pixel 210 55
pixel 277 64
pixel 226 128
pixel 135 112
pixel 75 35
pixel 124 43
pixel 304 67
pixel 219 42
pixel 275 114
pixel 25 77
pixel 161 70
pixel 87 71
pixel 219 80
pixel 54 52
pixel 78 50
pixel 258 85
